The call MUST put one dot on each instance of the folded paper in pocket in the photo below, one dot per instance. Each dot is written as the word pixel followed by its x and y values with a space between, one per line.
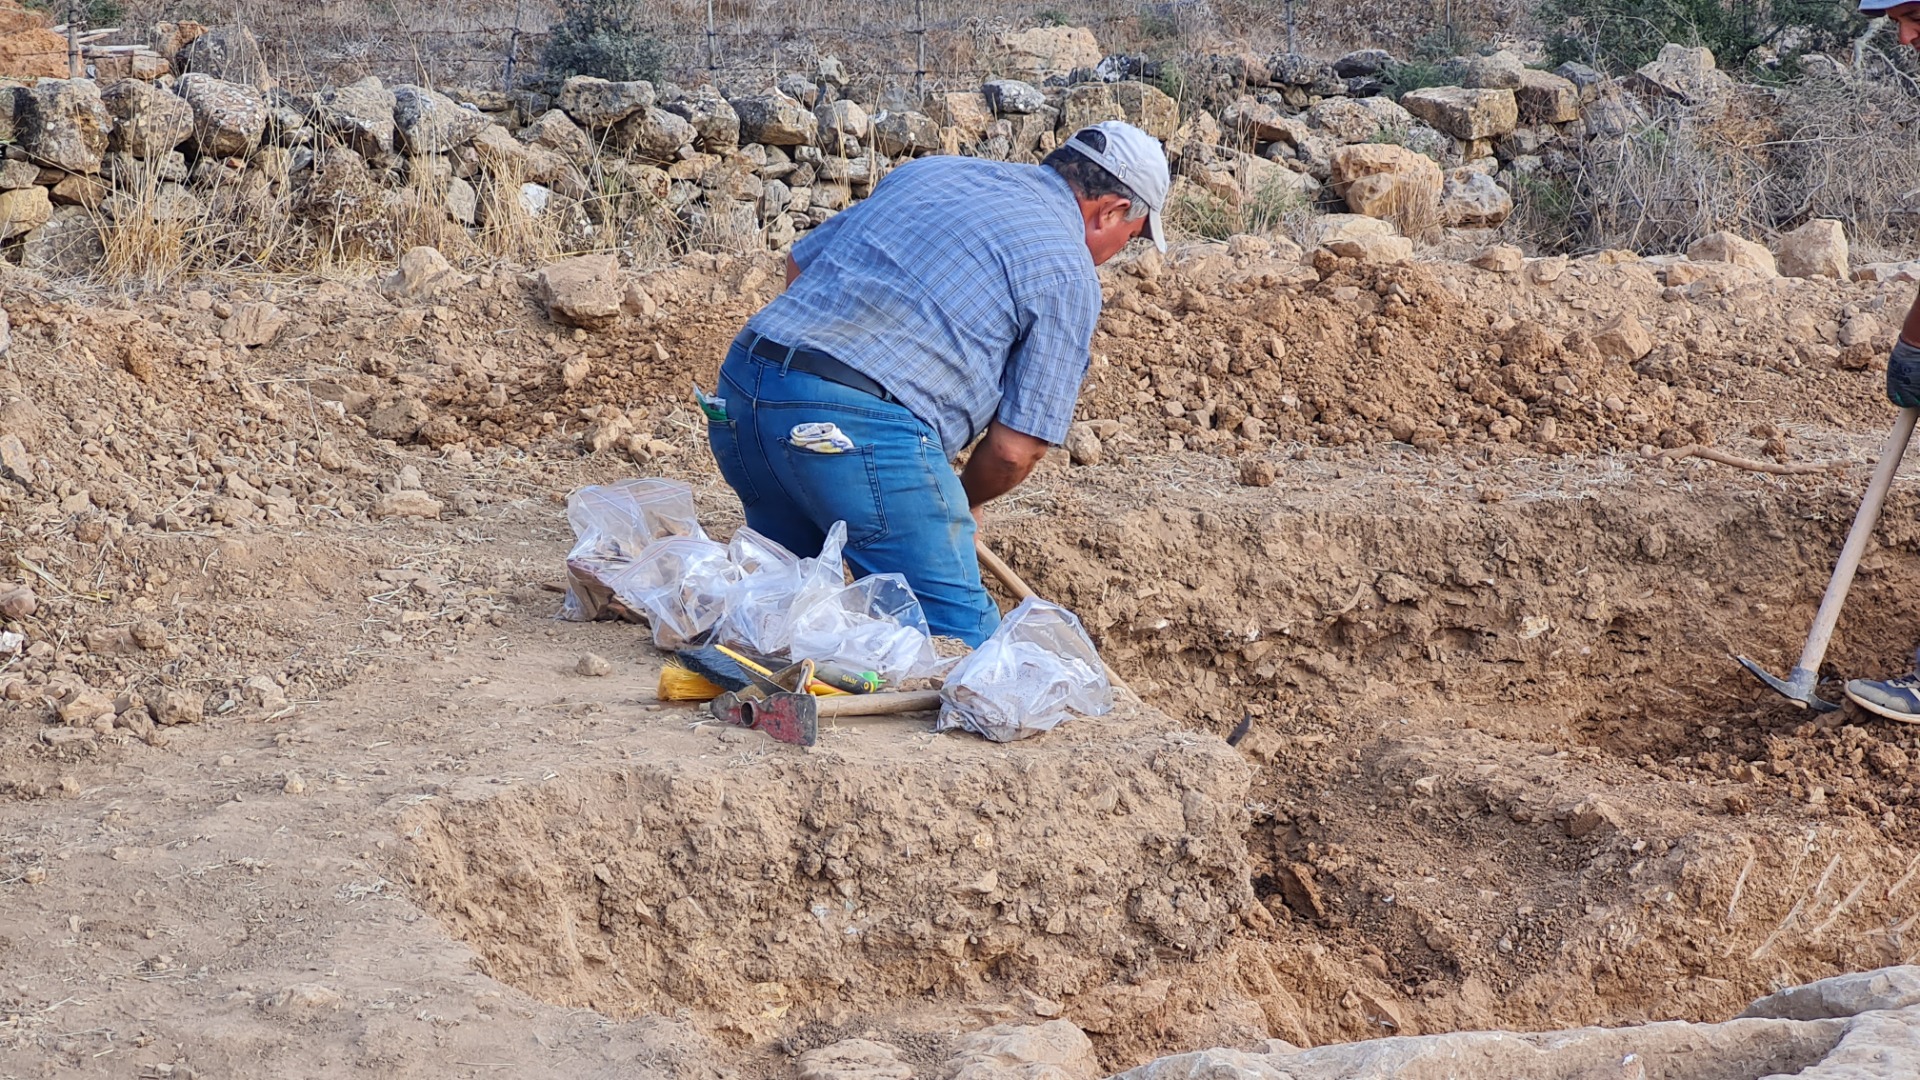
pixel 820 438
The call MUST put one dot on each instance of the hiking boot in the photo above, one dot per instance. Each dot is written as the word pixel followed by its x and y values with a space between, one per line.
pixel 1897 698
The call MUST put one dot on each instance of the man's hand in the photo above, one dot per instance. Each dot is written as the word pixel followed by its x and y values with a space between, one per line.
pixel 979 519
pixel 1000 460
pixel 1903 375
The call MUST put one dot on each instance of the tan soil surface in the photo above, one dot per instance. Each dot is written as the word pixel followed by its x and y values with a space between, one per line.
pixel 1502 771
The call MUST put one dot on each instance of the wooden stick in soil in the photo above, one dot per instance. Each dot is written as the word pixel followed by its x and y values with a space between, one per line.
pixel 890 704
pixel 1749 464
pixel 1021 590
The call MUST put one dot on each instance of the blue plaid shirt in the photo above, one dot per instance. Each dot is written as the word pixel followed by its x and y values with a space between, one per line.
pixel 963 286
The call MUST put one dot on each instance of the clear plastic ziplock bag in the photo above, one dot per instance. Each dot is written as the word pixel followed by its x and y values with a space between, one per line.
pixel 612 524
pixel 874 624
pixel 681 584
pixel 1025 678
pixel 755 615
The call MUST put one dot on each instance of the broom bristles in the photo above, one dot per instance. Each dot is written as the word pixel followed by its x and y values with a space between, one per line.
pixel 679 683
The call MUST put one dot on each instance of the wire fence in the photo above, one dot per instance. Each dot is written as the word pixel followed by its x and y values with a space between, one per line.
pixel 895 47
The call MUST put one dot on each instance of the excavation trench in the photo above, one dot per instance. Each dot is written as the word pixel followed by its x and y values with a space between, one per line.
pixel 1501 773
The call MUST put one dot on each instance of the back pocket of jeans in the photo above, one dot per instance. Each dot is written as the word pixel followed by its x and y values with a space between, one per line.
pixel 723 438
pixel 840 487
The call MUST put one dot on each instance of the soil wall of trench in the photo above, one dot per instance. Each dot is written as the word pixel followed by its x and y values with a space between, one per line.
pixel 1502 773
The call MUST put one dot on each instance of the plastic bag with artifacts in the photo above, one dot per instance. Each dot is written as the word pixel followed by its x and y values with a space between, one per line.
pixel 874 624
pixel 612 525
pixel 1036 669
pixel 680 584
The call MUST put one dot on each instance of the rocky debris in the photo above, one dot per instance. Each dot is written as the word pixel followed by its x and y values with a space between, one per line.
pixel 716 126
pixel 1371 248
pixel 1385 181
pixel 1816 249
pixel 593 665
pixel 253 323
pixel 428 122
pixel 774 119
pixel 1083 446
pixel 69 243
pixel 556 131
pixel 1732 248
pixel 1471 199
pixel 421 274
pixel 228 118
pixel 905 133
pixel 1624 339
pixel 64 124
pixel 1147 108
pixel 361 114
pixel 1500 259
pixel 1055 1050
pixel 1464 113
pixel 1048 50
pixel 583 291
pixel 1013 97
pixel 228 53
pixel 853 1059
pixel 18 603
pixel 1255 472
pixel 1255 121
pixel 148 122
pixel 652 135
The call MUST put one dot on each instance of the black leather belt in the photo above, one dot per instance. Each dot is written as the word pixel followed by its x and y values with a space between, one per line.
pixel 818 363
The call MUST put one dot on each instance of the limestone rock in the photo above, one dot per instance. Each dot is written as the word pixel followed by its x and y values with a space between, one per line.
pixel 897 133
pixel 1463 113
pixel 177 707
pixel 360 114
pixel 69 244
pixel 22 210
pixel 961 109
pixel 1816 249
pixel 1055 1050
pixel 421 274
pixel 1625 340
pixel 228 118
pixel 1386 181
pixel 1500 259
pixel 1147 108
pixel 1011 96
pixel 1589 83
pixel 1688 75
pixel 228 53
pixel 429 122
pixel 1842 995
pixel 853 1059
pixel 716 125
pixel 253 323
pixel 1087 104
pixel 1344 120
pixel 774 119
pixel 554 130
pixel 1495 71
pixel 1732 248
pixel 1372 249
pixel 844 126
pixel 148 122
pixel 63 123
pixel 652 135
pixel 1293 69
pixel 1544 98
pixel 410 504
pixel 583 291
pixel 1333 227
pixel 1255 121
pixel 18 602
pixel 1083 446
pixel 1471 200
pixel 1049 50
pixel 597 104
pixel 1362 62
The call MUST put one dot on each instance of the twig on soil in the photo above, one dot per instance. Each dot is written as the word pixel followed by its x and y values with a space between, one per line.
pixel 1777 469
pixel 1894 889
pixel 1739 886
pixel 1840 908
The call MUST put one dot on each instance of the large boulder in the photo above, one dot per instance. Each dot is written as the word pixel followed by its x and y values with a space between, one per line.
pixel 1147 108
pixel 1463 113
pixel 228 118
pixel 421 274
pixel 69 243
pixel 1293 69
pixel 844 126
pixel 361 115
pixel 774 119
pixel 597 103
pixel 1253 121
pixel 1088 104
pixel 1013 97
pixel 1816 249
pixel 1496 71
pixel 1471 200
pixel 1687 75
pixel 1345 120
pixel 1048 50
pixel 1542 98
pixel 716 125
pixel 1733 248
pixel 64 124
pixel 897 133
pixel 1385 181
pixel 228 53
pixel 1589 82
pixel 583 291
pixel 1362 63
pixel 964 111
pixel 148 122
pixel 429 122
pixel 652 135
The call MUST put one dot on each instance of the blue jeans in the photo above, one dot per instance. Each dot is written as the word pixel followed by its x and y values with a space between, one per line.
pixel 905 510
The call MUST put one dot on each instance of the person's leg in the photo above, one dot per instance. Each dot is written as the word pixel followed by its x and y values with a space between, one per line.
pixel 742 458
pixel 1897 698
pixel 904 508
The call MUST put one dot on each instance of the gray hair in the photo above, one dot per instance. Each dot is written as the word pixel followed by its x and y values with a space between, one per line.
pixel 1088 178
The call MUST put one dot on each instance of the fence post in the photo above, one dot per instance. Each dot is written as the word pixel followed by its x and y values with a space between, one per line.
pixel 513 49
pixel 1290 47
pixel 713 52
pixel 920 64
pixel 73 42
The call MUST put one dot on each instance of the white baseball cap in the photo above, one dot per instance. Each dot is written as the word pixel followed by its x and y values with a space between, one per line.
pixel 1136 160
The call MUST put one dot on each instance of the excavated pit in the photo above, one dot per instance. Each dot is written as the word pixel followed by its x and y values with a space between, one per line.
pixel 1502 773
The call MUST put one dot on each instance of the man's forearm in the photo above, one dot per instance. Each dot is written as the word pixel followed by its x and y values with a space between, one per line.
pixel 1003 458
pixel 793 270
pixel 1910 330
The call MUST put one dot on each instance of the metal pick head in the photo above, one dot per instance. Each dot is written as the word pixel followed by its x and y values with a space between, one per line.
pixel 1798 690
